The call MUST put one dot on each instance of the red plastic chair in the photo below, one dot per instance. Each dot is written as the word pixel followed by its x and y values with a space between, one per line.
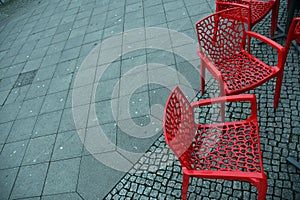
pixel 227 150
pixel 255 10
pixel 221 38
pixel 293 34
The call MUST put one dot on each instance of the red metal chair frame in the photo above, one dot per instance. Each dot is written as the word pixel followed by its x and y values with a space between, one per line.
pixel 221 38
pixel 227 150
pixel 255 10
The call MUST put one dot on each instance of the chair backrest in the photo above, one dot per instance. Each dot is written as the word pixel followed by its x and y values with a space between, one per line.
pixel 293 34
pixel 221 34
pixel 179 124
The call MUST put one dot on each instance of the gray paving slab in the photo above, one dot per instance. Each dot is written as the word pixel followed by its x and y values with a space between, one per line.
pixel 21 129
pixel 62 176
pixel 30 181
pixel 95 178
pixel 39 150
pixel 7 180
pixel 13 154
pixel 54 101
pixel 66 196
pixel 67 145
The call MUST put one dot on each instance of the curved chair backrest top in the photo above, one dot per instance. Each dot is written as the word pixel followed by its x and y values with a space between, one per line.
pixel 293 34
pixel 221 34
pixel 179 125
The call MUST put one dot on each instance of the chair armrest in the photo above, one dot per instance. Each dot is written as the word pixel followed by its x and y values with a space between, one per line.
pixel 210 66
pixel 230 4
pixel 280 49
pixel 233 98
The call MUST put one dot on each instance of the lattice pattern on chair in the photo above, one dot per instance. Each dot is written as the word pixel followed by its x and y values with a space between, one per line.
pixel 227 150
pixel 179 123
pixel 257 10
pixel 248 71
pixel 222 38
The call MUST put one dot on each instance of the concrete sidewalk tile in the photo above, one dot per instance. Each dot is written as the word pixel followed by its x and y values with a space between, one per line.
pixel 7 179
pixel 67 145
pixel 139 23
pixel 39 150
pixel 7 83
pixel 153 10
pixel 181 25
pixel 100 142
pixel 70 54
pixel 173 5
pixel 61 36
pixel 95 178
pixel 13 154
pixel 132 63
pixel 66 68
pixel 55 101
pixel 3 96
pixel 30 181
pixel 38 89
pixel 5 130
pixel 9 112
pixel 45 73
pixel 176 14
pixel 14 70
pixel 84 95
pixel 155 20
pixel 92 37
pixel 30 107
pixel 17 94
pixel 51 59
pixel 112 71
pixel 74 42
pixel 201 8
pixel 38 52
pixel 66 196
pixel 104 90
pixel 152 2
pixel 135 140
pixel 21 129
pixel 47 123
pixel 134 15
pixel 56 47
pixel 67 122
pixel 161 57
pixel 104 111
pixel 60 83
pixel 128 83
pixel 134 105
pixel 62 176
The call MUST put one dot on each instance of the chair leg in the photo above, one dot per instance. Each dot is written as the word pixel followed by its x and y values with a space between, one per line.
pixel 262 189
pixel 202 76
pixel 274 22
pixel 261 186
pixel 185 185
pixel 278 88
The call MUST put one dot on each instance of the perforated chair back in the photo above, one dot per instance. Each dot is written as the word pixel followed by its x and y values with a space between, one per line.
pixel 179 125
pixel 221 35
pixel 293 34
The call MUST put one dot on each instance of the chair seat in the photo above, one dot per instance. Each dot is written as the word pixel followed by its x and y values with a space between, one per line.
pixel 259 9
pixel 226 147
pixel 243 72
